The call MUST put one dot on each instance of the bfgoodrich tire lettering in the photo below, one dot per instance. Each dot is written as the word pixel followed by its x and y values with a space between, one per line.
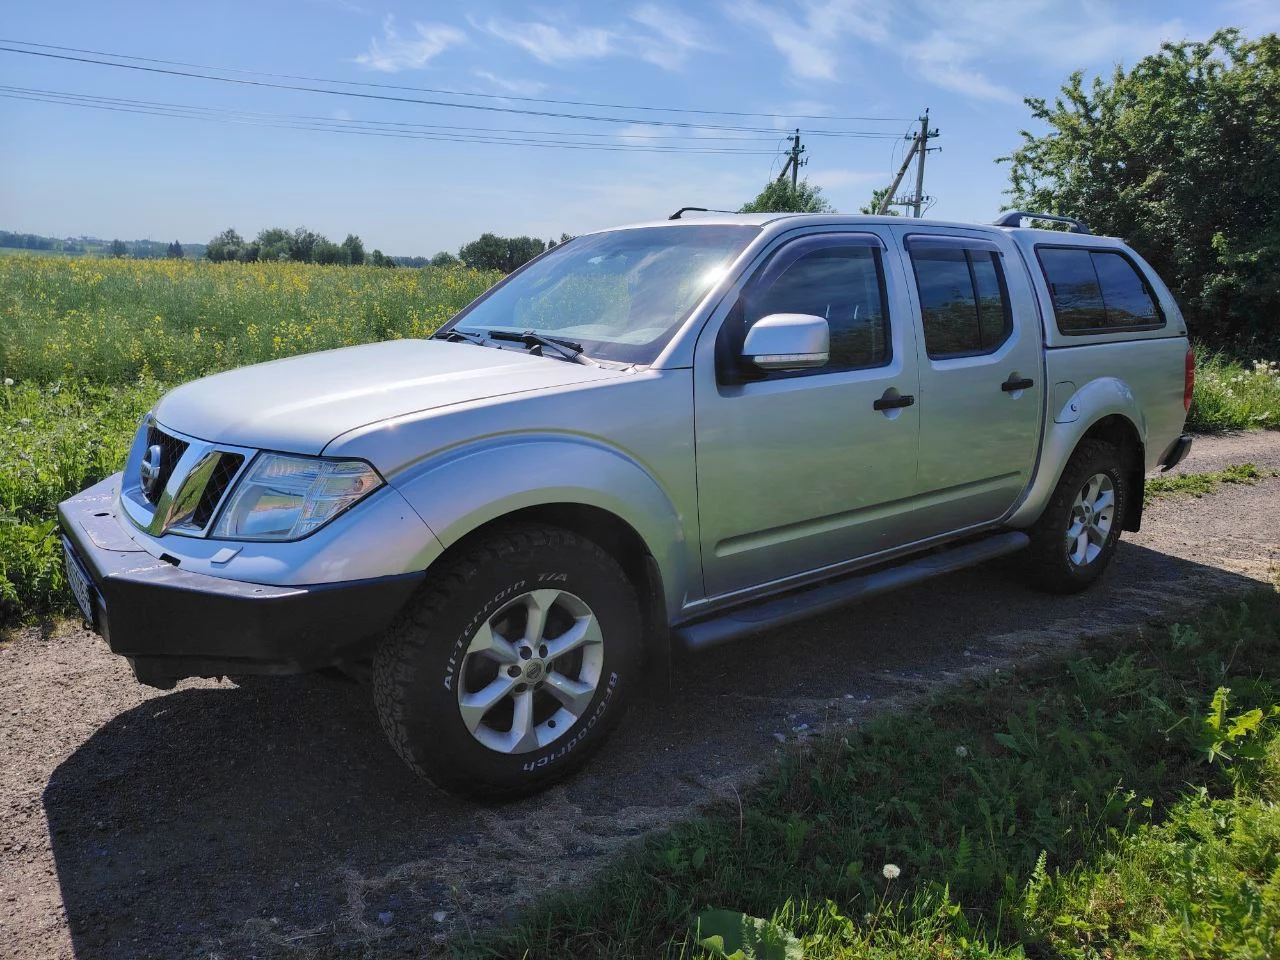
pixel 1073 541
pixel 473 704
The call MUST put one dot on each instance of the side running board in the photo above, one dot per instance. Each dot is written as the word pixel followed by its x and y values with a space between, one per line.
pixel 775 612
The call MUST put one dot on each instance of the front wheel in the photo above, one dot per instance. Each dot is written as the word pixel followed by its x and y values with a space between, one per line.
pixel 510 666
pixel 1076 536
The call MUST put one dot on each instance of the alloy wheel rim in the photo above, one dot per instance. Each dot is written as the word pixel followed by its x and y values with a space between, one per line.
pixel 1092 515
pixel 531 671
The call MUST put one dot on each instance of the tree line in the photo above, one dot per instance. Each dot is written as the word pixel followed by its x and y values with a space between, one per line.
pixel 299 246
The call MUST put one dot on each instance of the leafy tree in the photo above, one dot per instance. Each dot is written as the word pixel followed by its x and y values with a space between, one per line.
pixel 779 196
pixel 492 252
pixel 378 259
pixel 520 250
pixel 489 252
pixel 274 244
pixel 1180 156
pixel 228 245
pixel 444 259
pixel 352 250
pixel 302 245
pixel 326 251
pixel 118 249
pixel 877 197
pixel 249 252
pixel 174 251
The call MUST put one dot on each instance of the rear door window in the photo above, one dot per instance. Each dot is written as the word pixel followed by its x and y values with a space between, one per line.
pixel 1097 291
pixel 964 302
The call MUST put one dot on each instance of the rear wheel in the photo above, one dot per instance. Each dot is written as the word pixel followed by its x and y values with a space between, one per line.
pixel 511 665
pixel 1073 541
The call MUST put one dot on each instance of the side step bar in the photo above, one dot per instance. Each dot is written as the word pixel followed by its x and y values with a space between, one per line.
pixel 768 614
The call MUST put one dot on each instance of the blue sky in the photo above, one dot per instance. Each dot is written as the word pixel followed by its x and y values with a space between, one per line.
pixel 71 170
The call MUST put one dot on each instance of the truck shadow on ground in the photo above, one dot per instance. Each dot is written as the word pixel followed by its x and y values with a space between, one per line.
pixel 271 818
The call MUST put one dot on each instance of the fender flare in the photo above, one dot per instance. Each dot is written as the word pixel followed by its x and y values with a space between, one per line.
pixel 1084 410
pixel 473 485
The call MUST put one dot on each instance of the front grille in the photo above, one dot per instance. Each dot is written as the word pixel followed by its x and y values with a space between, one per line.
pixel 171 451
pixel 227 466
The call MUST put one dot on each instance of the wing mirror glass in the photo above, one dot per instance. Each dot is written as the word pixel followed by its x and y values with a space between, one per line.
pixel 788 341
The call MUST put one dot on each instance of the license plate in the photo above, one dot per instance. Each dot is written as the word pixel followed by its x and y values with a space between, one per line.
pixel 80 584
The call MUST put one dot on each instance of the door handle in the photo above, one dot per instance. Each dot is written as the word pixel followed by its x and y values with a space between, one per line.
pixel 1024 383
pixel 887 402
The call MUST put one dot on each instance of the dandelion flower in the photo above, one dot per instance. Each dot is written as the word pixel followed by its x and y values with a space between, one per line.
pixel 891 871
pixel 8 381
pixel 962 752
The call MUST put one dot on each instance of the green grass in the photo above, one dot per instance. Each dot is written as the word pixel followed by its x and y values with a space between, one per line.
pixel 89 344
pixel 1234 395
pixel 1199 484
pixel 1069 810
pixel 54 441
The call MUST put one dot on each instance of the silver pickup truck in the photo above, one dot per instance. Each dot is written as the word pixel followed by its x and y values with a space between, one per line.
pixel 668 435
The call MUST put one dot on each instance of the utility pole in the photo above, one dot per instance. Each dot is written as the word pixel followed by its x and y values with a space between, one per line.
pixel 922 140
pixel 794 163
pixel 919 148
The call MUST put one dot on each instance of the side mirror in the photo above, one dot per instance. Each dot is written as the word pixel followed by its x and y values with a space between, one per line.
pixel 788 341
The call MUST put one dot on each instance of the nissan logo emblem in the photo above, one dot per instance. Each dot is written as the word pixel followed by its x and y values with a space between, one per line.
pixel 149 469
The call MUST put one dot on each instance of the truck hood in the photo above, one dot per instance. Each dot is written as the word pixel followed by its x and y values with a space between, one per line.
pixel 300 404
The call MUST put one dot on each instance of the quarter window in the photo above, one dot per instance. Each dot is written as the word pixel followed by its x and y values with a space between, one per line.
pixel 1095 291
pixel 843 284
pixel 964 301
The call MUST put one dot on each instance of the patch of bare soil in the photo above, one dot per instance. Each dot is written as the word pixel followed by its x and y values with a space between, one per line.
pixel 271 819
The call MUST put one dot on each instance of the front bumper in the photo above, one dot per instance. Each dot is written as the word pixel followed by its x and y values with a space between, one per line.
pixel 173 623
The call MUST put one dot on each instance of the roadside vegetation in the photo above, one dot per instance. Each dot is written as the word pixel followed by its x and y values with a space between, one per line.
pixel 1122 802
pixel 1235 395
pixel 1199 484
pixel 88 345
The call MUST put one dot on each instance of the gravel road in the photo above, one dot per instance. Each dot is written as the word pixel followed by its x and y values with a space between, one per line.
pixel 271 818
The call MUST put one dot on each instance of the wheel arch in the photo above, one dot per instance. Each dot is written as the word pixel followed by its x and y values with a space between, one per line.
pixel 1109 411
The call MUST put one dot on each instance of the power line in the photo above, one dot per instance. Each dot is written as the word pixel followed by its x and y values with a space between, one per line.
pixel 334 126
pixel 436 103
pixel 35 91
pixel 447 92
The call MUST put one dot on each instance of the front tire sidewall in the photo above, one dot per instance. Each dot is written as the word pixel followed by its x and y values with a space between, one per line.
pixel 429 673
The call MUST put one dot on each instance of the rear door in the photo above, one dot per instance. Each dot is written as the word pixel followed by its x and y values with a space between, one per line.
pixel 981 376
pixel 799 471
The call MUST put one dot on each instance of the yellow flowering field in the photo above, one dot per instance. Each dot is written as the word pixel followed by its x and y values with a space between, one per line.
pixel 86 346
pixel 112 321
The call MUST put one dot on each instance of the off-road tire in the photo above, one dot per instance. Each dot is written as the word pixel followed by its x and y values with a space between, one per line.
pixel 418 666
pixel 1050 566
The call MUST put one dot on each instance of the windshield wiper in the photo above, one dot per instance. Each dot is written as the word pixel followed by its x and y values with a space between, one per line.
pixel 566 348
pixel 463 335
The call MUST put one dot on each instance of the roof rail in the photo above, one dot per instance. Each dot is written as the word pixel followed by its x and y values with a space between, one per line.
pixel 1014 218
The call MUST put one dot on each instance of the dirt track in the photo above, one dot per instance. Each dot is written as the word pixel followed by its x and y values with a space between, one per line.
pixel 272 819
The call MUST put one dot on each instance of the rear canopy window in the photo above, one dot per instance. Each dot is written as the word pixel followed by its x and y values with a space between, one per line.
pixel 1097 291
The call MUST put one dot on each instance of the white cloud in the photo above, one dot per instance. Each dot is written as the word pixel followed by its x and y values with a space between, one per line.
pixel 960 39
pixel 550 44
pixel 814 42
pixel 394 53
pixel 524 88
pixel 673 38
pixel 656 34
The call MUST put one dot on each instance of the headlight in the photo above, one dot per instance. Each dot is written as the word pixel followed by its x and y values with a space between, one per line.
pixel 284 498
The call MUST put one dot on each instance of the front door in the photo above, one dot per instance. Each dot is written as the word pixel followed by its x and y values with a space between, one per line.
pixel 798 470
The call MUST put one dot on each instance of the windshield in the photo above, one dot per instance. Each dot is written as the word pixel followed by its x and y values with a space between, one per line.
pixel 621 295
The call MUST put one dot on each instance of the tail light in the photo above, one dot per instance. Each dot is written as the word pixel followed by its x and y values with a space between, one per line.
pixel 1189 379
